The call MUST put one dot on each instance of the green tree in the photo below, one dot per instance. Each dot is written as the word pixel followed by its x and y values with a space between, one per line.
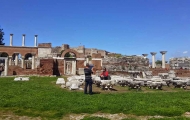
pixel 1 37
pixel 159 62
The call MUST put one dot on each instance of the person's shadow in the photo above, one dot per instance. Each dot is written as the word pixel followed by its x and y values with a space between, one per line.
pixel 96 92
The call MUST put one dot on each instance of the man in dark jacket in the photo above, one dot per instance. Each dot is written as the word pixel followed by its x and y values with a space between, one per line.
pixel 88 79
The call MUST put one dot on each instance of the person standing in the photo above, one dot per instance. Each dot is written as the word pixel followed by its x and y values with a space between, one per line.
pixel 88 79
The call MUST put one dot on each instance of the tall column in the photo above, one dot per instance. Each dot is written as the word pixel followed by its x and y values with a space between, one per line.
pixel 23 39
pixel 11 39
pixel 10 60
pixel 35 40
pixel 163 58
pixel 16 58
pixel 64 67
pixel 33 60
pixel 22 62
pixel 145 55
pixel 6 67
pixel 153 59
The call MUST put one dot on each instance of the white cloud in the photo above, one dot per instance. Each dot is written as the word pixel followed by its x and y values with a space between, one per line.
pixel 185 52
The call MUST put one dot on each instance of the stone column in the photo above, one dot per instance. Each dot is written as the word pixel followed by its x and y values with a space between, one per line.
pixel 22 62
pixel 74 67
pixel 23 39
pixel 35 40
pixel 10 60
pixel 16 59
pixel 64 67
pixel 6 67
pixel 11 39
pixel 163 58
pixel 145 55
pixel 87 60
pixel 33 60
pixel 153 59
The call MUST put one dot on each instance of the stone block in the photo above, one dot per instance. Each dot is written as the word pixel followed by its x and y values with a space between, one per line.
pixel 60 81
pixel 17 79
pixel 25 78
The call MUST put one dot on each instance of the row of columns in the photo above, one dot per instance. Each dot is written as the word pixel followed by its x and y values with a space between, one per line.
pixel 22 60
pixel 23 40
pixel 163 59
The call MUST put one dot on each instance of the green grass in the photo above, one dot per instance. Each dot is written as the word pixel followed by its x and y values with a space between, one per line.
pixel 41 97
pixel 94 118
pixel 174 118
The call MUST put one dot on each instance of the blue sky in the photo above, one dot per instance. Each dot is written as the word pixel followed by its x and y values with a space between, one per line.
pixel 129 27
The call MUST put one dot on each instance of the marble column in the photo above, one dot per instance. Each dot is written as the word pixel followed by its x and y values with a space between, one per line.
pixel 22 62
pixel 163 58
pixel 153 59
pixel 74 67
pixel 6 67
pixel 35 40
pixel 11 39
pixel 16 58
pixel 10 60
pixel 33 60
pixel 23 40
pixel 64 67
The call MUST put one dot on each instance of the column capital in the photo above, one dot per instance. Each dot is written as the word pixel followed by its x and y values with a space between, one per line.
pixel 153 53
pixel 11 34
pixel 36 35
pixel 145 55
pixel 23 35
pixel 163 52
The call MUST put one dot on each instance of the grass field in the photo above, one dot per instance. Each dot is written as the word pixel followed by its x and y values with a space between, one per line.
pixel 42 97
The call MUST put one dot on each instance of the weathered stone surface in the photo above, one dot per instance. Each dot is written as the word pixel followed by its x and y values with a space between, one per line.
pixel 60 81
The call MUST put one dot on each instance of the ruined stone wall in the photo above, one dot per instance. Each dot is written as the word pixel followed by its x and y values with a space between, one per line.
pixel 97 64
pixel 17 70
pixel 97 55
pixel 44 52
pixel 80 63
pixel 46 67
pixel 87 52
pixel 58 68
pixel 65 47
pixel 126 63
pixel 102 52
pixel 44 45
pixel 79 49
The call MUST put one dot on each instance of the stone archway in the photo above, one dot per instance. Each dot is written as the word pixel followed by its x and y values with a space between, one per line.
pixel 70 50
pixel 70 56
